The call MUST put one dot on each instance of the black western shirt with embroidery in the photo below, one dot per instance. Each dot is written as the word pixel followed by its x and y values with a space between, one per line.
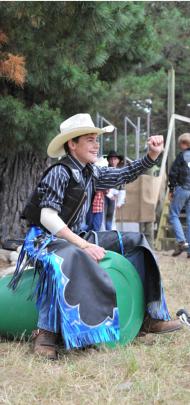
pixel 54 184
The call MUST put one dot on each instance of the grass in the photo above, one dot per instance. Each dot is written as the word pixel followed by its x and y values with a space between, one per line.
pixel 154 370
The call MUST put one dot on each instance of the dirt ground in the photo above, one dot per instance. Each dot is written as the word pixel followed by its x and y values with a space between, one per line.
pixel 153 370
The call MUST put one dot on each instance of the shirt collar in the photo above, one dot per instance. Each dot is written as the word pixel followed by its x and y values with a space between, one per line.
pixel 76 162
pixel 93 168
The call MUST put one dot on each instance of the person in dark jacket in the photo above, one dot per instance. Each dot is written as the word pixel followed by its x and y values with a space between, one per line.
pixel 76 298
pixel 179 186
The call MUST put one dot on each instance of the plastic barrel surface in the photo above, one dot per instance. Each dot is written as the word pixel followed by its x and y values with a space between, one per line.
pixel 130 295
pixel 18 314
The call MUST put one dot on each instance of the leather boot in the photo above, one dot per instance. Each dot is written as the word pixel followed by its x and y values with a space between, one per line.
pixel 44 344
pixel 158 326
pixel 180 248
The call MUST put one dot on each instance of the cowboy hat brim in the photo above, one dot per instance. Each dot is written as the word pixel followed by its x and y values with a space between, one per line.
pixel 56 146
pixel 120 157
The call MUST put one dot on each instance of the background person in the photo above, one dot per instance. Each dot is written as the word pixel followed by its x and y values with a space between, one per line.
pixel 179 186
pixel 95 214
pixel 114 160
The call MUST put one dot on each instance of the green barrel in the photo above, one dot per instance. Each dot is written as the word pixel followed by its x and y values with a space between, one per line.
pixel 129 293
pixel 18 314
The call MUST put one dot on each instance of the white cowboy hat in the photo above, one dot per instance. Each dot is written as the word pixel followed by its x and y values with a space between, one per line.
pixel 77 125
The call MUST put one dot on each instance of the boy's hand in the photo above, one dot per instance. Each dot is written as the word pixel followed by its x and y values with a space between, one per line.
pixel 156 146
pixel 96 252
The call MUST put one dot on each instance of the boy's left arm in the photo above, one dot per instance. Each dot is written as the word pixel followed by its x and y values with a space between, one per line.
pixel 111 177
pixel 156 146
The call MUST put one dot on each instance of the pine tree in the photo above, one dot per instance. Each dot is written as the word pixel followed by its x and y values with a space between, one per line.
pixel 12 67
pixel 79 57
pixel 72 51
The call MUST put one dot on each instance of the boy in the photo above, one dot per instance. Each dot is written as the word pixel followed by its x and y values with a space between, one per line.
pixel 179 186
pixel 76 298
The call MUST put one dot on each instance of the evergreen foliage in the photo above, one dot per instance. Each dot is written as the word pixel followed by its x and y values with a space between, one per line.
pixel 81 56
pixel 168 23
pixel 73 52
pixel 91 56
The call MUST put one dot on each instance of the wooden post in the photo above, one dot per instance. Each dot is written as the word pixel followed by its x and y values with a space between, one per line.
pixel 171 111
pixel 115 139
pixel 137 131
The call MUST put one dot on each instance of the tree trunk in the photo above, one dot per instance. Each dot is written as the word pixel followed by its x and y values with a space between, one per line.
pixel 19 174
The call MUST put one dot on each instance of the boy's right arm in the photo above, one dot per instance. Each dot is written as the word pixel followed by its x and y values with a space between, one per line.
pixel 96 252
pixel 54 184
pixel 55 225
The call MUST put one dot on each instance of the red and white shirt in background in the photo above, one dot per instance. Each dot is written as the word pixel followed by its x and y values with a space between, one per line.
pixel 98 202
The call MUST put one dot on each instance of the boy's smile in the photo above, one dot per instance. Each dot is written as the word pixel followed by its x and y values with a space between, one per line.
pixel 85 149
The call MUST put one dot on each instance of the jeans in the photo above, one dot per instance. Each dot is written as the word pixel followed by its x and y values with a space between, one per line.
pixel 97 221
pixel 181 199
pixel 94 221
pixel 109 208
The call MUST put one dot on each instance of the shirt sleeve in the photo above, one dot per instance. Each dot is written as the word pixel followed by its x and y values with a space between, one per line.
pixel 52 188
pixel 110 177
